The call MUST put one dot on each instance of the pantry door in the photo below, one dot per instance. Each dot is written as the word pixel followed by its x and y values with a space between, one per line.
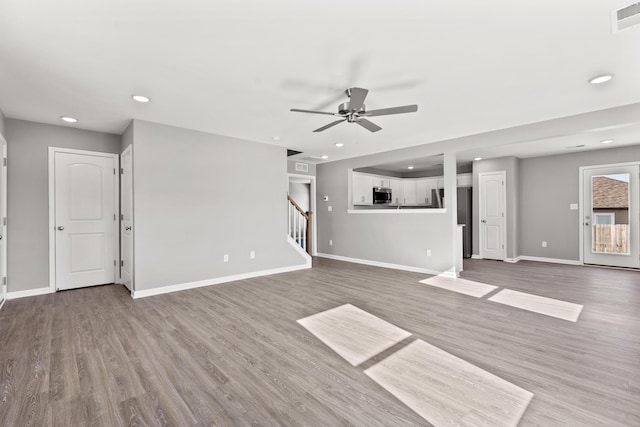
pixel 492 203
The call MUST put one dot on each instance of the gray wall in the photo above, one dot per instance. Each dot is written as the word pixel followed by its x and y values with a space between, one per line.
pixel 389 238
pixel 199 196
pixel 28 194
pixel 2 124
pixel 548 185
pixel 511 165
pixel 127 137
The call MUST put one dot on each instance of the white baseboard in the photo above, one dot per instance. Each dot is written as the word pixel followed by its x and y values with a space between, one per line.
pixel 217 281
pixel 387 265
pixel 551 260
pixel 28 293
pixel 476 256
pixel 512 260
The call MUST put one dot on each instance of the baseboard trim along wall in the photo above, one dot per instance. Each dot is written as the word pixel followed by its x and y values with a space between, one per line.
pixel 537 259
pixel 216 281
pixel 388 265
pixel 551 260
pixel 28 293
pixel 476 256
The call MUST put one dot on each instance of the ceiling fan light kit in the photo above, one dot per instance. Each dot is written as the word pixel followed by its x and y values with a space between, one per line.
pixel 354 111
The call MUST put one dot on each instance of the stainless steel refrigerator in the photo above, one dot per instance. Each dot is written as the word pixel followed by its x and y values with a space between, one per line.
pixel 464 217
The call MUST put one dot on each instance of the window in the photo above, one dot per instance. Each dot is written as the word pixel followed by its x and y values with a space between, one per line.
pixel 604 218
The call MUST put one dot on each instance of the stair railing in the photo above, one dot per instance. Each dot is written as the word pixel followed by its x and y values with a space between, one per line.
pixel 299 225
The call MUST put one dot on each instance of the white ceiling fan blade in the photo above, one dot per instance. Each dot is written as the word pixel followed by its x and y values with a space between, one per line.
pixel 297 110
pixel 392 110
pixel 332 124
pixel 370 126
pixel 357 96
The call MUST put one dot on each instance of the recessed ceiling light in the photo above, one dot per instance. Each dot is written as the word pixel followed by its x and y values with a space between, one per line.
pixel 275 138
pixel 607 141
pixel 140 98
pixel 477 159
pixel 409 167
pixel 325 157
pixel 69 119
pixel 339 144
pixel 601 79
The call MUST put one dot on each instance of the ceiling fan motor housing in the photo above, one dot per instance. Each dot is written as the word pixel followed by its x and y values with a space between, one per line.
pixel 344 109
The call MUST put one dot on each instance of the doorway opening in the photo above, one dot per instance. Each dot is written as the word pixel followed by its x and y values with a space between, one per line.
pixel 302 190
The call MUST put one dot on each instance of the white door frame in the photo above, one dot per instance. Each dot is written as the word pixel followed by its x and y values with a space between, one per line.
pixel 52 211
pixel 581 172
pixel 129 149
pixel 3 225
pixel 504 206
pixel 312 207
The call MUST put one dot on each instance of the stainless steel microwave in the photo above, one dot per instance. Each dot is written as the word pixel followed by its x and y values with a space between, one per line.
pixel 381 195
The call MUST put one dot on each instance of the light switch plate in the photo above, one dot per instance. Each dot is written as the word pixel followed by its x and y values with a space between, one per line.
pixel 573 206
pixel 330 208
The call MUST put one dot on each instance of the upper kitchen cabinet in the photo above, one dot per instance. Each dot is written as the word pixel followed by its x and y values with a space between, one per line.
pixel 424 190
pixel 397 191
pixel 381 181
pixel 362 189
pixel 409 195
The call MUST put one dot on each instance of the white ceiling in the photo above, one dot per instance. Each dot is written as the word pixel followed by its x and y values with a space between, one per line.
pixel 236 67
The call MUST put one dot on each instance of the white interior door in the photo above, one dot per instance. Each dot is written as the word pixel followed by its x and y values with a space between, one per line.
pixel 492 215
pixel 611 216
pixel 126 223
pixel 84 219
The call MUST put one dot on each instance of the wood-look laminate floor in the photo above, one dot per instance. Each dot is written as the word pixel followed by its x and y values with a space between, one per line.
pixel 233 354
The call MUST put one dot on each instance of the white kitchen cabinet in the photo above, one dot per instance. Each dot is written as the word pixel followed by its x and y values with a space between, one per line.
pixel 429 185
pixel 381 181
pixel 397 191
pixel 465 180
pixel 362 189
pixel 422 195
pixel 409 195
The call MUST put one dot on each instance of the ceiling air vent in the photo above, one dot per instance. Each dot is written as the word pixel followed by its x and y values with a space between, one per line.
pixel 626 17
pixel 302 167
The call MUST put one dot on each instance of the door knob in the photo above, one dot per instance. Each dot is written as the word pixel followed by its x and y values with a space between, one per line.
pixel 60 228
pixel 484 221
pixel 127 228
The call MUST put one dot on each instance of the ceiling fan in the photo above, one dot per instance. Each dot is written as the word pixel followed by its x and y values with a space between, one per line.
pixel 354 111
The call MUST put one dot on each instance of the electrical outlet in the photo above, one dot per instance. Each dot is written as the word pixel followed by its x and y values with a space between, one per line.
pixel 330 242
pixel 428 252
pixel 226 258
pixel 544 244
pixel 252 254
